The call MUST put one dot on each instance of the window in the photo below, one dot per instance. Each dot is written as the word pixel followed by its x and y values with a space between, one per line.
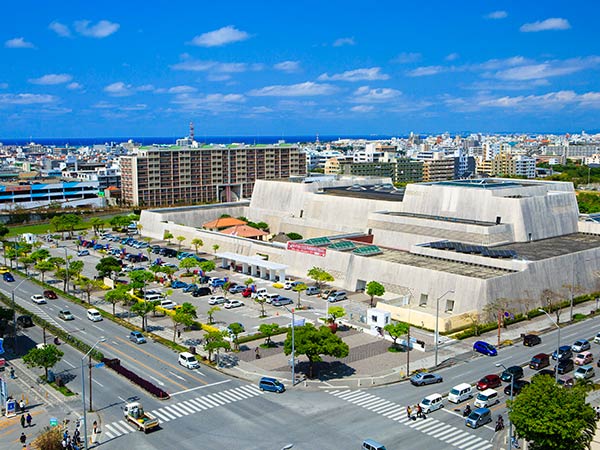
pixel 423 300
pixel 449 305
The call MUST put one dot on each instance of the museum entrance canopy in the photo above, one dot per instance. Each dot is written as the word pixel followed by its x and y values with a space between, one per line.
pixel 253 265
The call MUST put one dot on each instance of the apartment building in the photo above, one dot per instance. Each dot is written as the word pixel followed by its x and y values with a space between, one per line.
pixel 161 176
pixel 438 168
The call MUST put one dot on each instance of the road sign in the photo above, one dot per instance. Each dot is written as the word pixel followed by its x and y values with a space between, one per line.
pixel 53 421
pixel 11 408
pixel 99 365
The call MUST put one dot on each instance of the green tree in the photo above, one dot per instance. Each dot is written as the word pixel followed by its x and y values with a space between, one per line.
pixel 75 267
pixel 180 239
pixel 108 265
pixel 294 236
pixel 46 357
pixel 248 282
pixel 142 309
pixel 314 342
pixel 180 318
pixel 63 275
pixel 88 286
pixel 261 301
pixel 167 236
pixel 139 278
pixel 336 312
pixel 188 264
pixel 226 287
pixel 551 417
pixel 43 267
pixel 97 224
pixel 213 341
pixel 319 276
pixel 299 288
pixel 59 225
pixel 395 330
pixel 210 313
pixel 216 248
pixel 268 329
pixel 235 329
pixel 119 222
pixel 40 254
pixel 72 221
pixel 374 289
pixel 197 243
pixel 4 230
pixel 120 294
pixel 207 266
pixel 190 309
pixel 27 261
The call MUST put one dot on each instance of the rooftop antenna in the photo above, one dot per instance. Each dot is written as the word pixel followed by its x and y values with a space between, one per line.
pixel 192 131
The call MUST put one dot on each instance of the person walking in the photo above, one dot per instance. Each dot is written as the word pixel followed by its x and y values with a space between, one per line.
pixel 22 421
pixel 12 373
pixel 22 406
pixel 29 419
pixel 23 438
pixel 419 411
pixel 408 412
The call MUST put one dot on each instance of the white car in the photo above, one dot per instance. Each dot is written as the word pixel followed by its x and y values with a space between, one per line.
pixel 431 403
pixel 217 300
pixel 233 304
pixel 38 298
pixel 168 304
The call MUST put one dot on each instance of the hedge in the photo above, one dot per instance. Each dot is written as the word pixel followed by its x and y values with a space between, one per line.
pixel 115 364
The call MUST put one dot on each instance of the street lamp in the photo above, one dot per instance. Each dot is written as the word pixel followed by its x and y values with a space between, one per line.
pixel 15 312
pixel 512 388
pixel 293 346
pixel 102 339
pixel 437 319
pixel 67 265
pixel 557 344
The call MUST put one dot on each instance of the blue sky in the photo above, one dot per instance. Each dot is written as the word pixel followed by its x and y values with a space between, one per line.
pixel 285 68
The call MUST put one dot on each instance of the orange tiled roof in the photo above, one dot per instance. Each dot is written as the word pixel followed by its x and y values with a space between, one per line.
pixel 224 222
pixel 244 231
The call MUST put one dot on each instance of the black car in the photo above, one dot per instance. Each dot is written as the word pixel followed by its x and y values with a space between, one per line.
pixel 518 387
pixel 169 252
pixel 564 366
pixel 515 372
pixel 548 372
pixel 564 352
pixel 531 339
pixel 156 249
pixel 25 321
pixel 201 292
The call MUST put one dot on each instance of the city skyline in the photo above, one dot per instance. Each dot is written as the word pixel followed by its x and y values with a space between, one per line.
pixel 280 69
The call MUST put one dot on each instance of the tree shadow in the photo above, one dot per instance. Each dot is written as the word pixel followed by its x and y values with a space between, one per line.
pixel 325 371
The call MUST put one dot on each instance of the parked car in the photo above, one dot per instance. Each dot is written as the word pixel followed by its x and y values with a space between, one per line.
pixel 156 249
pixel 137 337
pixel 485 348
pixel 424 378
pixel 4 269
pixel 233 304
pixel 564 352
pixel 238 323
pixel 580 345
pixel 280 301
pixel 336 296
pixel 312 290
pixel 176 284
pixel 518 386
pixel 597 339
pixel 217 300
pixel 98 246
pixel 583 358
pixel 25 321
pixel 171 265
pixel 201 292
pixel 584 372
pixel 50 294
pixel 83 253
pixel 168 304
pixel 565 365
pixel 8 277
pixel 271 385
pixel 237 289
pixel 190 287
pixel 65 314
pixel 514 372
pixel 247 292
pixel 39 299
pixel 326 292
pixel 217 282
pixel 531 339
pixel 566 381
pixel 489 382
pixel 539 361
pixel 291 284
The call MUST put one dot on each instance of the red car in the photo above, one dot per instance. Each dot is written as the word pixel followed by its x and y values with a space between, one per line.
pixel 247 292
pixel 489 382
pixel 50 294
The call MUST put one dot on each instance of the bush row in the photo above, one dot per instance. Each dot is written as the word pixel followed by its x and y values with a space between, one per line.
pixel 115 364
pixel 259 335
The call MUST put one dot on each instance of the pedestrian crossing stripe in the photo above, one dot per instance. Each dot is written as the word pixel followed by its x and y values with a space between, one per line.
pixel 435 428
pixel 186 408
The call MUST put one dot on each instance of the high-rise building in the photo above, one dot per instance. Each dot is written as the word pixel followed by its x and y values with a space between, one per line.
pixel 438 168
pixel 160 176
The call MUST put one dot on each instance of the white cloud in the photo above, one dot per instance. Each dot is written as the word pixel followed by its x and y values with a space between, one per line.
pixel 404 58
pixel 555 23
pixel 426 71
pixel 60 29
pixel 194 65
pixel 104 105
pixel 26 99
pixel 261 110
pixel 365 94
pixel 344 41
pixel 136 107
pixel 222 36
pixel 210 102
pixel 74 86
pixel 497 15
pixel 181 89
pixel 100 30
pixel 18 42
pixel 288 66
pixel 52 78
pixel 3 85
pixel 547 69
pixel 452 57
pixel 295 90
pixel 362 108
pixel 145 88
pixel 494 85
pixel 119 89
pixel 373 73
pixel 218 77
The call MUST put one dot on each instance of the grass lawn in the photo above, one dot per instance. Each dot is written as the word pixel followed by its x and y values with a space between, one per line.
pixel 42 228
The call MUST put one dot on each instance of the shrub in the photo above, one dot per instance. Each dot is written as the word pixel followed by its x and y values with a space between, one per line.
pixel 115 364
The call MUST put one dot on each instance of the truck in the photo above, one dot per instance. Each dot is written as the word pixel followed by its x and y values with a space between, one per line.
pixel 134 413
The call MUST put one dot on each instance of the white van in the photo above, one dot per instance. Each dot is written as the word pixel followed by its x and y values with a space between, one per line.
pixel 460 393
pixel 270 297
pixel 260 293
pixel 431 403
pixel 188 360
pixel 486 398
pixel 94 315
pixel 152 297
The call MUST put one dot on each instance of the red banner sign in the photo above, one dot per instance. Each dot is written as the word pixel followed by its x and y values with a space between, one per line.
pixel 304 248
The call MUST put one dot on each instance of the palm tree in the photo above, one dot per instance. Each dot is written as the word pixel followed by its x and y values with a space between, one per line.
pixel 180 239
pixel 197 242
pixel 142 309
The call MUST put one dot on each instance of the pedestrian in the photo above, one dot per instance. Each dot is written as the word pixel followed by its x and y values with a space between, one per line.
pixel 95 427
pixel 408 412
pixel 419 411
pixel 257 353
pixel 64 443
pixel 22 421
pixel 22 406
pixel 12 373
pixel 23 438
pixel 28 418
pixel 178 334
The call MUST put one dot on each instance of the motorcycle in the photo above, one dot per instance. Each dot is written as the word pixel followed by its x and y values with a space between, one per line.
pixel 499 424
pixel 56 341
pixel 466 411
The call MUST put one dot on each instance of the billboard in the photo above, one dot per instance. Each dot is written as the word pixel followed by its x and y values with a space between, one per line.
pixel 304 248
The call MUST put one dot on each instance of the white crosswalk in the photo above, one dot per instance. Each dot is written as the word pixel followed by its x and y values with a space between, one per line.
pixel 186 408
pixel 454 437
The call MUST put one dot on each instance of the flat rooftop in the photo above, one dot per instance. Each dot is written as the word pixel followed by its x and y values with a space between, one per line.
pixel 386 192
pixel 483 183
pixel 441 218
pixel 553 247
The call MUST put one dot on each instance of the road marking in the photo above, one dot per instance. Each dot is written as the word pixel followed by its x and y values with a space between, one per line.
pixel 157 380
pixel 98 383
pixel 175 375
pixel 97 327
pixel 199 387
pixel 68 363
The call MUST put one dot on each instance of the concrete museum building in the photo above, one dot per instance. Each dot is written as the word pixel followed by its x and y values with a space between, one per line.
pixel 442 249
